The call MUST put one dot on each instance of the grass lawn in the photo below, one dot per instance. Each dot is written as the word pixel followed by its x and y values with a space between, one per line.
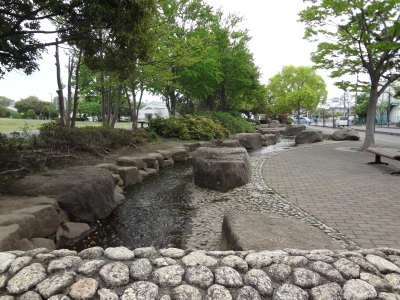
pixel 10 125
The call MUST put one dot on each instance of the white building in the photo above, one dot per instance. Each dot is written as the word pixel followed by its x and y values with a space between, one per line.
pixel 153 110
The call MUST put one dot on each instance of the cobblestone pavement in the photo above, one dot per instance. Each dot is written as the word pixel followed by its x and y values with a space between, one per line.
pixel 210 206
pixel 334 184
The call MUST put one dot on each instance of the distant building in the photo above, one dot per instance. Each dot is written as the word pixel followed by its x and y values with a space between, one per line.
pixel 153 110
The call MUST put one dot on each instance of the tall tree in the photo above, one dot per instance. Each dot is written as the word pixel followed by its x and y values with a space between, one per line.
pixel 76 22
pixel 295 88
pixel 360 36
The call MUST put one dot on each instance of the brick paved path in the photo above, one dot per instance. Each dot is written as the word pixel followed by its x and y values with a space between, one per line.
pixel 336 186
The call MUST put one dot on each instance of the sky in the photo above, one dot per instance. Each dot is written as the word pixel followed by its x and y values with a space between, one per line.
pixel 276 42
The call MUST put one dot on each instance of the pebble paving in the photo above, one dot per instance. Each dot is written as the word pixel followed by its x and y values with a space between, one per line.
pixel 256 196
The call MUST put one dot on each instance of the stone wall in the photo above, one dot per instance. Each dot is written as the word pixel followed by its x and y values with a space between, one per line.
pixel 144 273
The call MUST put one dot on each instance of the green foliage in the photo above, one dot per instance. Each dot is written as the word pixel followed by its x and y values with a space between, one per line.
pixel 6 101
pixel 188 127
pixel 3 111
pixel 233 121
pixel 89 25
pixel 30 114
pixel 359 36
pixel 86 138
pixel 32 102
pixel 296 88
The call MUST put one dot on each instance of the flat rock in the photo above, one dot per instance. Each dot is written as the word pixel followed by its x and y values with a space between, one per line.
pixel 257 231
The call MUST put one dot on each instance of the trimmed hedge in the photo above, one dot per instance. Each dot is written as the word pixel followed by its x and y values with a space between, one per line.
pixel 90 138
pixel 188 127
pixel 232 121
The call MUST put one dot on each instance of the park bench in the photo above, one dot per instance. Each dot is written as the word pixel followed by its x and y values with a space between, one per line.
pixel 391 153
pixel 142 122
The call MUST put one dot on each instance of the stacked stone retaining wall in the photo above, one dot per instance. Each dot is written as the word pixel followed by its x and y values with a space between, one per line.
pixel 144 273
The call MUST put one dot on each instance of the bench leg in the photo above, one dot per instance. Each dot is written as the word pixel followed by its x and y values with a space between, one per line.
pixel 377 161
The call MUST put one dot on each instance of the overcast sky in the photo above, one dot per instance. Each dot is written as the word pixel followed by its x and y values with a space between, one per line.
pixel 276 42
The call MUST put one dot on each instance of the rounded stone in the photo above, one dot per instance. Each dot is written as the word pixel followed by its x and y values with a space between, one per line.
pixel 55 284
pixel 327 291
pixel 305 278
pixel 258 260
pixel 279 272
pixel 347 268
pixel 248 293
pixel 199 259
pixel 141 269
pixel 91 253
pixel 27 278
pixel 228 277
pixel 259 280
pixel 119 253
pixel 356 289
pixel 106 294
pixel 199 276
pixel 186 292
pixel 141 290
pixel 290 292
pixel 84 289
pixel 115 274
pixel 235 262
pixel 172 252
pixel 218 292
pixel 169 275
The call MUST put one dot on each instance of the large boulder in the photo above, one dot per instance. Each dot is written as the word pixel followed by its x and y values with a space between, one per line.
pixel 221 169
pixel 249 140
pixel 293 130
pixel 85 193
pixel 309 136
pixel 343 134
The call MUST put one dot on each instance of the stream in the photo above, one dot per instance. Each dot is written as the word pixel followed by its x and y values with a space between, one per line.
pixel 156 212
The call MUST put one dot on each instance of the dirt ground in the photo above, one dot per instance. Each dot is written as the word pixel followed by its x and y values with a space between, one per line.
pixel 79 158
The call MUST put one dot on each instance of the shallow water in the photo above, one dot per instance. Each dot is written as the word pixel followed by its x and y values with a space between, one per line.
pixel 156 212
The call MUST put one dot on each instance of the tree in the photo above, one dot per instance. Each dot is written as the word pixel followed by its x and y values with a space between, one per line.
pixel 295 88
pixel 3 111
pixel 77 22
pixel 32 102
pixel 6 101
pixel 360 36
pixel 30 114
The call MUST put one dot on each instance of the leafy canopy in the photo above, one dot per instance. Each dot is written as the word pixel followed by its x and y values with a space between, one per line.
pixel 295 88
pixel 357 36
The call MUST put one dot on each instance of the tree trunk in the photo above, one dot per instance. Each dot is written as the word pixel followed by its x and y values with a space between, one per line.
pixel 114 116
pixel 76 92
pixel 60 89
pixel 103 98
pixel 71 63
pixel 172 102
pixel 109 108
pixel 369 140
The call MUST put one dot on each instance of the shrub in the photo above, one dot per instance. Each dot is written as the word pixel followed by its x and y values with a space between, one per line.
pixel 188 127
pixel 87 138
pixel 232 121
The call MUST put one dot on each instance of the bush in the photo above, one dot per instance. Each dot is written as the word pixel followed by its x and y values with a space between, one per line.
pixel 188 127
pixel 232 121
pixel 89 138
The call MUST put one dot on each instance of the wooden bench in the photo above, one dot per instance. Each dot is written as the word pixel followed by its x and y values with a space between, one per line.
pixel 391 153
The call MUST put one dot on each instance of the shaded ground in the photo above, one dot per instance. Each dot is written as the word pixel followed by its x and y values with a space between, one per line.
pixel 38 159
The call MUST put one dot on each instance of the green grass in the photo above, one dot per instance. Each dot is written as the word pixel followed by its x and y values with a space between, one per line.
pixel 10 125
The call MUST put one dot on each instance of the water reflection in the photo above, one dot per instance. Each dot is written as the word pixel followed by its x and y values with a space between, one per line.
pixel 154 213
